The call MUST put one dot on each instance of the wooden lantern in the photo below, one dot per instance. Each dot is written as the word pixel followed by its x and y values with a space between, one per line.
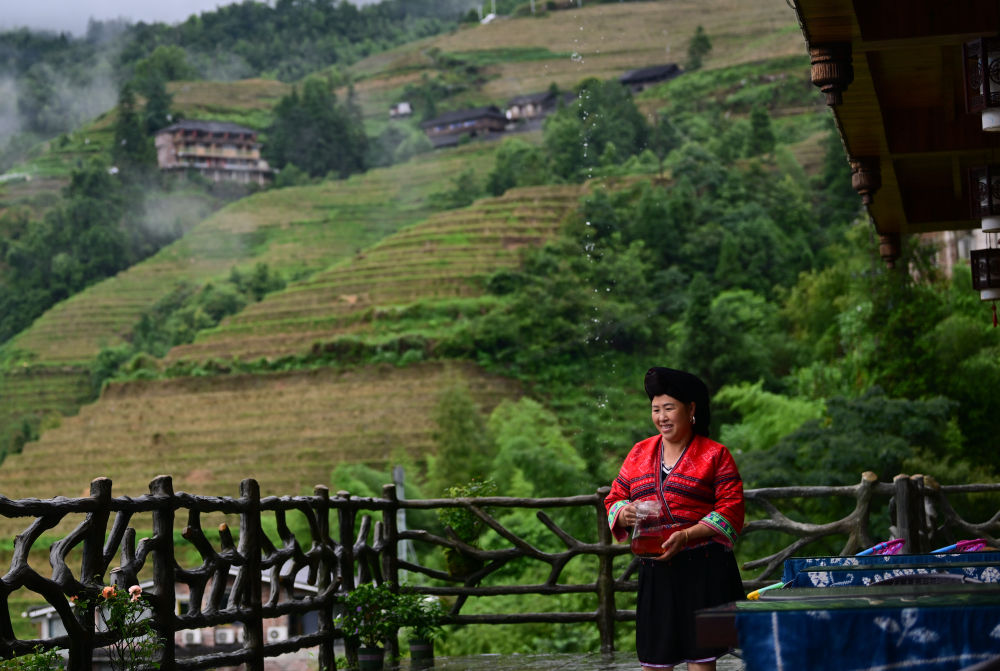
pixel 984 196
pixel 986 273
pixel 981 65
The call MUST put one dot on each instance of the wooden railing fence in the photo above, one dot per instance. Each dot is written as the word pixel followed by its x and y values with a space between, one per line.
pixel 364 549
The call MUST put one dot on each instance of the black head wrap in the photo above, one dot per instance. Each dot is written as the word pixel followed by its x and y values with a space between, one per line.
pixel 685 387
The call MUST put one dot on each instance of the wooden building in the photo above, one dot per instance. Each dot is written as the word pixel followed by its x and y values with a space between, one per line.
pixel 639 80
pixel 219 150
pixel 905 81
pixel 536 105
pixel 450 128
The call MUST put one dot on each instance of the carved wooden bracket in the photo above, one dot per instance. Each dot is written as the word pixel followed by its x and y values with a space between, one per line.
pixel 832 70
pixel 866 177
pixel 888 248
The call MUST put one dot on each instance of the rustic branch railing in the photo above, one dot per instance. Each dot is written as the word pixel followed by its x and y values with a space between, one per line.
pixel 367 549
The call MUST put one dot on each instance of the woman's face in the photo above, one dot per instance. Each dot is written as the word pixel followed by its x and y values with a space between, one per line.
pixel 672 418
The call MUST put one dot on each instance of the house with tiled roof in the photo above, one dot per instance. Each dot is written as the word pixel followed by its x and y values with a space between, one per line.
pixel 219 150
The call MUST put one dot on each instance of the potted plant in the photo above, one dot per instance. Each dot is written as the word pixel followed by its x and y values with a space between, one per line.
pixel 421 615
pixel 368 616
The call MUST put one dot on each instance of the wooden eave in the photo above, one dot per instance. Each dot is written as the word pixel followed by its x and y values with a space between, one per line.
pixel 906 105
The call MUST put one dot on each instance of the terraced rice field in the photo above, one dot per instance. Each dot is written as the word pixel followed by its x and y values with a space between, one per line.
pixel 287 430
pixel 299 230
pixel 448 256
pixel 602 41
pixel 43 390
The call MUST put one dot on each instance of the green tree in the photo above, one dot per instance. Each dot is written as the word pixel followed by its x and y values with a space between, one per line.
pixel 872 432
pixel 698 48
pixel 762 418
pixel 697 350
pixel 316 133
pixel 133 152
pixel 663 139
pixel 167 63
pixel 464 449
pixel 603 115
pixel 157 111
pixel 517 164
pixel 761 140
pixel 533 458
pixel 837 203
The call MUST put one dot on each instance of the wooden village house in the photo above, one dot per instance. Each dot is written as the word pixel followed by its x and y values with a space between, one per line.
pixel 638 80
pixel 536 105
pixel 401 110
pixel 219 150
pixel 450 128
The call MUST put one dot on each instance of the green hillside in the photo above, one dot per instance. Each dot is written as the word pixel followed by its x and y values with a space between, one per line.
pixel 527 54
pixel 296 231
pixel 441 262
pixel 368 259
pixel 285 429
pixel 303 230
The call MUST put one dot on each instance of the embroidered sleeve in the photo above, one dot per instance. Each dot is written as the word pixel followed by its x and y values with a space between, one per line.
pixel 614 502
pixel 613 512
pixel 721 526
pixel 726 517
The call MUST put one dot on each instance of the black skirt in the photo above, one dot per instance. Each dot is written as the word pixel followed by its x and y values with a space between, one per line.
pixel 669 594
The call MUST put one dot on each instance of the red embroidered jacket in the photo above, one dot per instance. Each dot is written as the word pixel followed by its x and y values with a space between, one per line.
pixel 704 487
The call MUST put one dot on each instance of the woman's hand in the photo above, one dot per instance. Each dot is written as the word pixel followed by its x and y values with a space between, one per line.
pixel 674 544
pixel 628 515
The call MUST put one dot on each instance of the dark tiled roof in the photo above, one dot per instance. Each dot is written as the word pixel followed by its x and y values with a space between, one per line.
pixel 465 115
pixel 208 127
pixel 535 98
pixel 652 73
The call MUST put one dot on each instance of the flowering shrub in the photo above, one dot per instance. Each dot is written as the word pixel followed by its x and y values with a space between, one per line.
pixel 39 660
pixel 369 613
pixel 422 614
pixel 124 613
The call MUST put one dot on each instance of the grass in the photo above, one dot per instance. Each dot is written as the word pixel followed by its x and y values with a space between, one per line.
pixel 504 55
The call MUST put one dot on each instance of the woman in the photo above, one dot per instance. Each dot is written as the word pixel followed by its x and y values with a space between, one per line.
pixel 696 480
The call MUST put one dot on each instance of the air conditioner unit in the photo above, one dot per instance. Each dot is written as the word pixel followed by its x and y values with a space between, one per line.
pixel 225 636
pixel 191 636
pixel 277 634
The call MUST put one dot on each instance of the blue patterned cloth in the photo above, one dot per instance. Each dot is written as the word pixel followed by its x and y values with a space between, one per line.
pixel 796 564
pixel 934 633
pixel 863 576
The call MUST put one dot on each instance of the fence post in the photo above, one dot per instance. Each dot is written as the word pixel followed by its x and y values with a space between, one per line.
pixel 908 509
pixel 327 656
pixel 162 487
pixel 606 609
pixel 249 549
pixel 345 519
pixel 390 558
pixel 92 567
